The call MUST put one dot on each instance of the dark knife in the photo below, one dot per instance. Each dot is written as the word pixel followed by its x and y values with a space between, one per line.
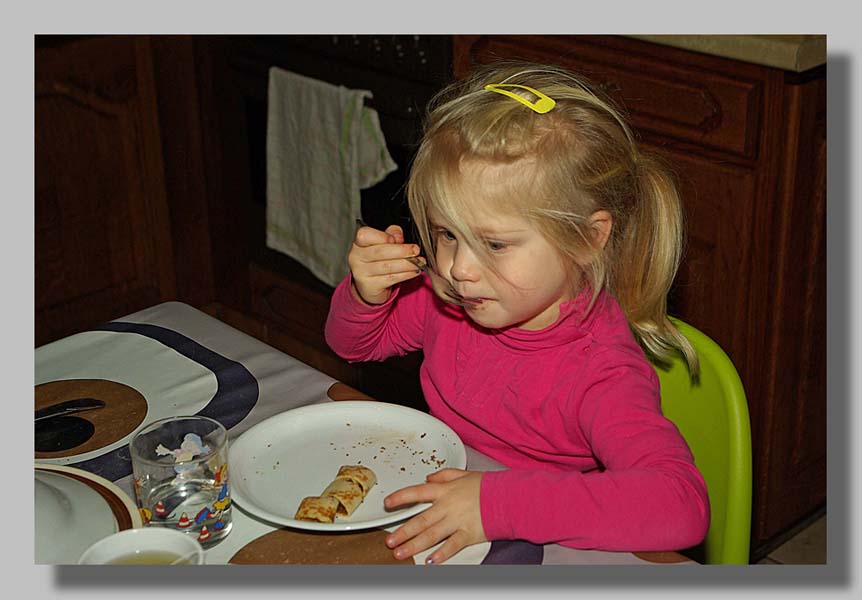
pixel 68 407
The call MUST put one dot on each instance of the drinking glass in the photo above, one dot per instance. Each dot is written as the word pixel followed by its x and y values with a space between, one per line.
pixel 180 470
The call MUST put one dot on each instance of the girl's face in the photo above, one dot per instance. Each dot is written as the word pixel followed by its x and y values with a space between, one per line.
pixel 530 281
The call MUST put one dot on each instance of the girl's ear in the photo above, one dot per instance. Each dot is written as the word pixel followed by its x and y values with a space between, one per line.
pixel 600 225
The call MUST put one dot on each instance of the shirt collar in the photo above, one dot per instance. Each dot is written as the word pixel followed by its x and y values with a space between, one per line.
pixel 573 323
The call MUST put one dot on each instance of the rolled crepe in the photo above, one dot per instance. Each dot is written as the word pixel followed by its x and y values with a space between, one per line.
pixel 317 508
pixel 342 496
pixel 348 493
pixel 364 476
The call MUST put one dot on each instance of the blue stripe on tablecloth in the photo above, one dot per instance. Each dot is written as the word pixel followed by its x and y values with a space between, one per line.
pixel 236 395
pixel 514 552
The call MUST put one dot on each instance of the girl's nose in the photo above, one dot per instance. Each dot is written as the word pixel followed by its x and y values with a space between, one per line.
pixel 465 267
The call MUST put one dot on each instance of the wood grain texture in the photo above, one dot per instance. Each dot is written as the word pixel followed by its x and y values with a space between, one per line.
pixel 103 247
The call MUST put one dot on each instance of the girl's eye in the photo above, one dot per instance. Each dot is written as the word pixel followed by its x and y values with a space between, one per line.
pixel 445 234
pixel 495 246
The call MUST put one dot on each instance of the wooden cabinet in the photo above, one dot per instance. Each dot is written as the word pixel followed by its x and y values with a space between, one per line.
pixel 749 147
pixel 121 214
pixel 103 247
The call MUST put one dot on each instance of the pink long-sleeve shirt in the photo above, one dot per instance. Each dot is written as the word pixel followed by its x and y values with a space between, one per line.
pixel 572 410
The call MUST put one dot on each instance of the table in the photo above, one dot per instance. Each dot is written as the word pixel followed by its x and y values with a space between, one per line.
pixel 172 359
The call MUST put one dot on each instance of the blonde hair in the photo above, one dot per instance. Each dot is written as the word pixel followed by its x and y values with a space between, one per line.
pixel 579 158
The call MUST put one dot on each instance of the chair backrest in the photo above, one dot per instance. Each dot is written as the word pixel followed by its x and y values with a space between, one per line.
pixel 712 415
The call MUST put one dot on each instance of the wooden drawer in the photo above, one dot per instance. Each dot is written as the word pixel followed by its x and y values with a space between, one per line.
pixel 293 318
pixel 287 304
pixel 693 99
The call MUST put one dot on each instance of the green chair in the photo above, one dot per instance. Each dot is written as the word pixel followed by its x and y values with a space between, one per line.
pixel 712 415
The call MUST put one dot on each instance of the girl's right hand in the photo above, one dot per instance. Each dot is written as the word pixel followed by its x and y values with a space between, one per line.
pixel 377 261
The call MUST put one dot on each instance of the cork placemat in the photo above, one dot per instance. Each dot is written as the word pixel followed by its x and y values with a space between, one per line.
pixel 285 546
pixel 342 391
pixel 662 557
pixel 124 410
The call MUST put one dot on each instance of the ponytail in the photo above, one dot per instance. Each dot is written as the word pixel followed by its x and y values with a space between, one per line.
pixel 647 255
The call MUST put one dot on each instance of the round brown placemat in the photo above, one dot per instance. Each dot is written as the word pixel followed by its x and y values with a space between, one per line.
pixel 285 546
pixel 125 409
pixel 662 557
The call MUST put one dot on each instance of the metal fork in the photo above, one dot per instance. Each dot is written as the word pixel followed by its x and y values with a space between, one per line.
pixel 442 285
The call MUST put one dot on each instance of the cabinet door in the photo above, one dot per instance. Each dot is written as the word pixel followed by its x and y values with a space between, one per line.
pixel 102 234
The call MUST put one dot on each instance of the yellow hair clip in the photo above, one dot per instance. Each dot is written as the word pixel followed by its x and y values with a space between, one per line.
pixel 541 106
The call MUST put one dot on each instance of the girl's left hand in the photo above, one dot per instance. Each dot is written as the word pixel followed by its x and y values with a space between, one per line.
pixel 454 515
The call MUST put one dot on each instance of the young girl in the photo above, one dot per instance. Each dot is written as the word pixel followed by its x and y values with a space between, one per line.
pixel 532 198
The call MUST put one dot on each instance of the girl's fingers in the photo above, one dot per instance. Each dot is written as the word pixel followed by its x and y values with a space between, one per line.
pixel 388 267
pixel 413 527
pixel 389 279
pixel 453 544
pixel 390 252
pixel 424 492
pixel 368 236
pixel 391 257
pixel 383 261
pixel 397 233
pixel 453 515
pixel 444 475
pixel 420 533
pixel 411 495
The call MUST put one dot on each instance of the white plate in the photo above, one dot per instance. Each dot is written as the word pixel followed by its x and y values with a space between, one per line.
pixel 297 453
pixel 74 509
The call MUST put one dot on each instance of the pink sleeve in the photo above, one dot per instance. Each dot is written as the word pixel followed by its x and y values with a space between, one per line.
pixel 361 332
pixel 650 495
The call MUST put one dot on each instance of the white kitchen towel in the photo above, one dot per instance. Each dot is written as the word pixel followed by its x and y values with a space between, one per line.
pixel 323 145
